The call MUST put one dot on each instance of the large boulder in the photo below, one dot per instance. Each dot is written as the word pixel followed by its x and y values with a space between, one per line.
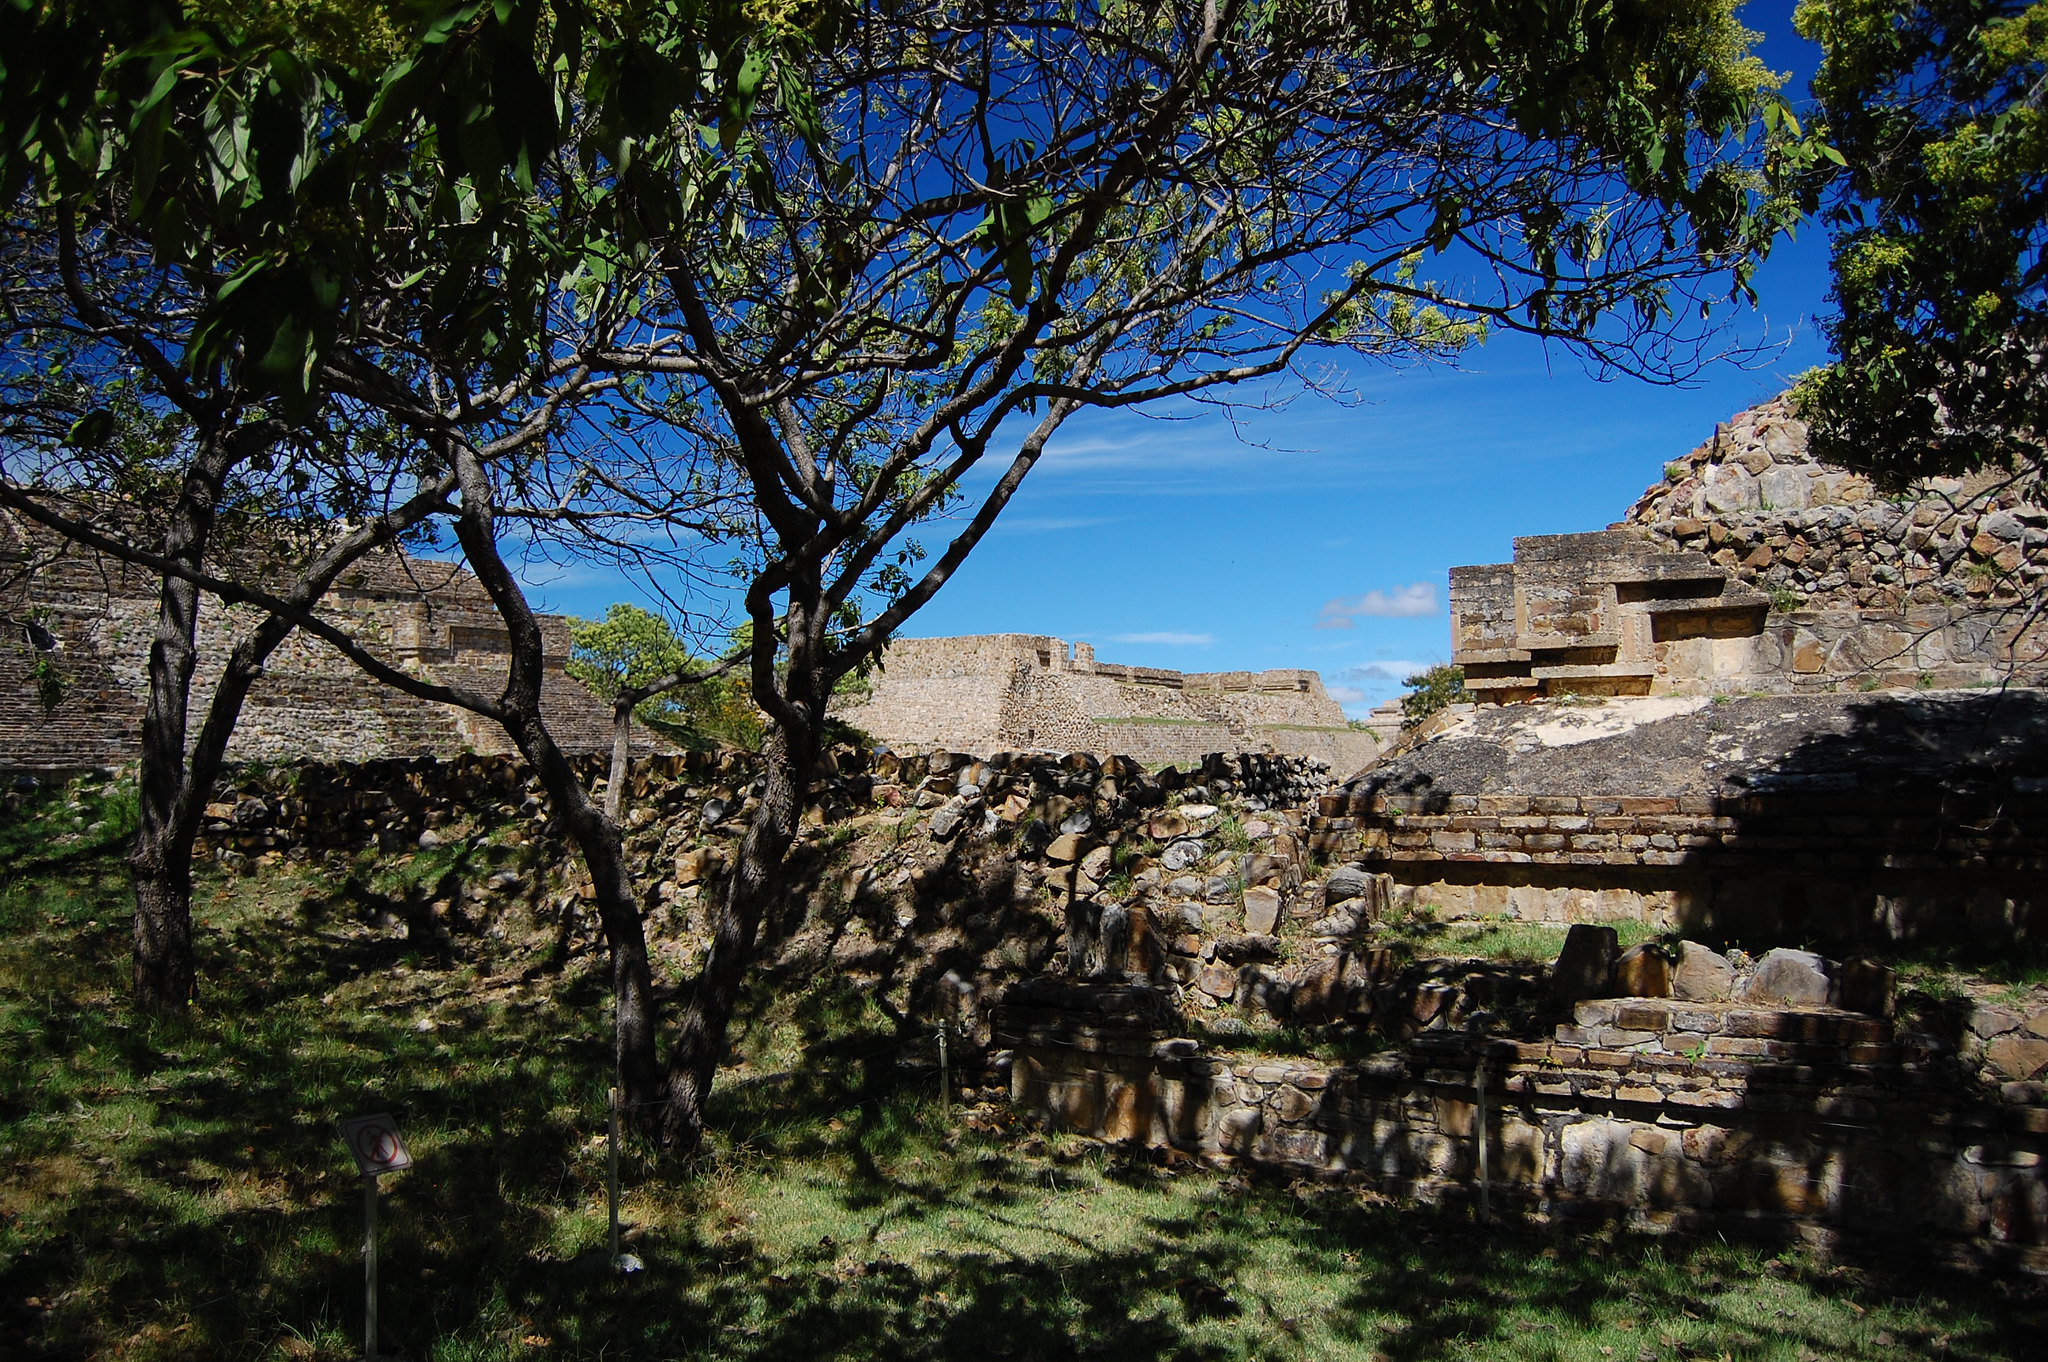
pixel 1789 978
pixel 1700 975
pixel 1585 967
pixel 1643 971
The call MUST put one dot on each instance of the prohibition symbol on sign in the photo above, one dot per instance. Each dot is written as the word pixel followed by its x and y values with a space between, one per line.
pixel 375 1143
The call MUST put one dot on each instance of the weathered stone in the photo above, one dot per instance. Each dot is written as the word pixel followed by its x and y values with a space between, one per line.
pixel 1788 978
pixel 1237 1132
pixel 1643 971
pixel 1785 489
pixel 1248 949
pixel 1166 826
pixel 1867 985
pixel 948 818
pixel 1347 882
pixel 1064 849
pixel 1261 910
pixel 1990 1022
pixel 1319 994
pixel 1729 489
pixel 1098 938
pixel 1095 865
pixel 1291 1104
pixel 1218 981
pixel 1182 854
pixel 1597 1162
pixel 2018 1055
pixel 1430 1003
pixel 1585 966
pixel 692 866
pixel 1701 975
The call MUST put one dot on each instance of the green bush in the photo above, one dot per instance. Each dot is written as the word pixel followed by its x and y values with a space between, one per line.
pixel 1429 691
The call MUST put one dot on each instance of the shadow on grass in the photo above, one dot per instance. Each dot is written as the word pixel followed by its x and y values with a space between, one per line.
pixel 178 1191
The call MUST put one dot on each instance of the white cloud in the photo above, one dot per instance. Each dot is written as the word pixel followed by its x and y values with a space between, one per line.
pixel 1397 671
pixel 1347 695
pixel 1030 524
pixel 1166 636
pixel 1412 601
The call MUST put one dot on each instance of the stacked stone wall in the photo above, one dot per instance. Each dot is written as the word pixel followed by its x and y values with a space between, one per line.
pixel 1806 1125
pixel 1758 504
pixel 312 704
pixel 1842 866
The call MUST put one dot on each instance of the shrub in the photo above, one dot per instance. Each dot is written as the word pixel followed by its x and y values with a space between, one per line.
pixel 1429 691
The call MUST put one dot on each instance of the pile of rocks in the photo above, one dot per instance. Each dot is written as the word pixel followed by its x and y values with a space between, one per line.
pixel 1754 500
pixel 1590 966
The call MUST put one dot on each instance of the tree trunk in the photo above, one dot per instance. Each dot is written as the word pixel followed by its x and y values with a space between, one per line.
pixel 622 752
pixel 162 856
pixel 757 882
pixel 163 921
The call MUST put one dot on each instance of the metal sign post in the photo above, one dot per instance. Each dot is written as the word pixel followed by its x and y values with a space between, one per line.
pixel 945 1078
pixel 612 1172
pixel 1479 1122
pixel 375 1143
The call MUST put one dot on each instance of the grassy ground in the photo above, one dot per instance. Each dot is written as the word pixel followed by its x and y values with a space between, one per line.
pixel 178 1190
pixel 1503 939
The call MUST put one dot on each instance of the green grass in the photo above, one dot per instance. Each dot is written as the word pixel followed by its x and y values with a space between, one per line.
pixel 177 1191
pixel 1505 939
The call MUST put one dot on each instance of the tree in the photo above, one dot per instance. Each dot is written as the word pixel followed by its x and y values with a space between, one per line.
pixel 635 660
pixel 968 224
pixel 1431 691
pixel 1940 214
pixel 861 275
pixel 287 260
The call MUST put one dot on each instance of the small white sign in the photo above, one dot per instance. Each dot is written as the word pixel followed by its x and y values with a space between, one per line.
pixel 375 1143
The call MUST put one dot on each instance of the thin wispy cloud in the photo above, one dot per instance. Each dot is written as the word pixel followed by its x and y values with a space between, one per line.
pixel 1167 637
pixel 1346 695
pixel 1040 524
pixel 1413 601
pixel 1398 672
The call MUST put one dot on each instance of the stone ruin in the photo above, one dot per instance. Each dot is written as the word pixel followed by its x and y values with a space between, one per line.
pixel 1028 692
pixel 1753 567
pixel 1121 946
pixel 92 618
pixel 1171 957
pixel 1769 708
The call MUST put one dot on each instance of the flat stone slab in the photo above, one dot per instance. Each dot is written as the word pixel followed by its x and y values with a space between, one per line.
pixel 1666 746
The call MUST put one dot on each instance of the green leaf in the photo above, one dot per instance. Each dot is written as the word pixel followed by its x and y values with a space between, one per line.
pixel 91 429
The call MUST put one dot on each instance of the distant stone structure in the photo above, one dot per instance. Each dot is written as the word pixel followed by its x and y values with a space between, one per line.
pixel 1031 692
pixel 91 620
pixel 1753 567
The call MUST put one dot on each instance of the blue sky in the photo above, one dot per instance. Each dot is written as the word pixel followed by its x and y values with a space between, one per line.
pixel 1326 544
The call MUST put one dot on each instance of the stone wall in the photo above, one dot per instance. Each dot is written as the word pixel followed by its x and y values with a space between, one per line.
pixel 1797 1124
pixel 1880 818
pixel 1029 692
pixel 93 620
pixel 1753 567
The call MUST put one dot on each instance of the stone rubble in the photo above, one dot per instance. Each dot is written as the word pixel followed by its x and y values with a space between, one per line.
pixel 1758 504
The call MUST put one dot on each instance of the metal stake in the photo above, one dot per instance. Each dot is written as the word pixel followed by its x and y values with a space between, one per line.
pixel 945 1080
pixel 370 1269
pixel 1485 1197
pixel 612 1171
